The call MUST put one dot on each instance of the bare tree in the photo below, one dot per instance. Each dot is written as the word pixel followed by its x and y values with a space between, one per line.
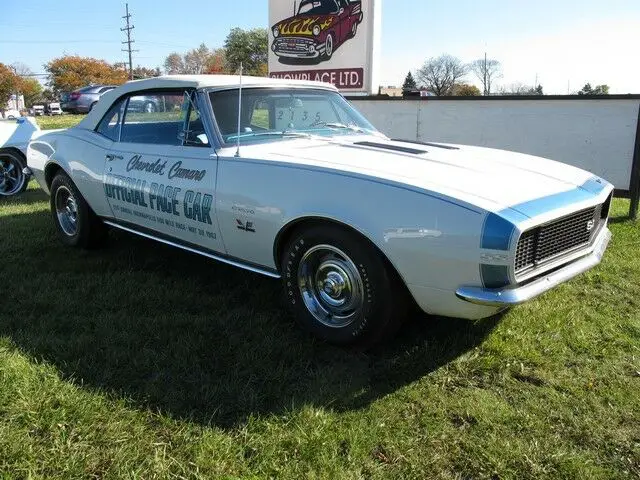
pixel 195 61
pixel 440 74
pixel 486 71
pixel 174 64
pixel 519 88
pixel 21 69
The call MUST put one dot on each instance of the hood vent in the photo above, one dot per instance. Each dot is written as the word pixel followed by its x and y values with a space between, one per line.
pixel 428 144
pixel 394 148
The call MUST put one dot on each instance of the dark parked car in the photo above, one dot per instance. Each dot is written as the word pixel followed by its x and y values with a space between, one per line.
pixel 83 99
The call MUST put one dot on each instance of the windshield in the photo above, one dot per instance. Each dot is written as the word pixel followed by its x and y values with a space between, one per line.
pixel 315 7
pixel 270 114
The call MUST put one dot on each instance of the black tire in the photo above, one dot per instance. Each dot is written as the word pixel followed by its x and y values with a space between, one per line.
pixel 88 230
pixel 12 180
pixel 383 305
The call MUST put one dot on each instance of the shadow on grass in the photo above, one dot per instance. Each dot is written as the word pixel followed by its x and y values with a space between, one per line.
pixel 197 340
pixel 622 219
pixel 29 197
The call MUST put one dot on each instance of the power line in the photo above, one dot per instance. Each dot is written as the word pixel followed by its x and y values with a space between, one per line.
pixel 56 41
pixel 128 41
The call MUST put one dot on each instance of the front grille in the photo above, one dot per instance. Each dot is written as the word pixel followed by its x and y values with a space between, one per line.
pixel 548 241
pixel 293 45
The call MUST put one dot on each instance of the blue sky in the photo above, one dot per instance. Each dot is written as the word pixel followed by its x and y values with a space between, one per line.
pixel 564 43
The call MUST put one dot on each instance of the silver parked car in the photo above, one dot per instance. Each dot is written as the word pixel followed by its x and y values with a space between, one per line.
pixel 83 99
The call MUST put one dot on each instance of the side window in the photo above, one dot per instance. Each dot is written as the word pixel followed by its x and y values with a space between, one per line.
pixel 109 126
pixel 154 118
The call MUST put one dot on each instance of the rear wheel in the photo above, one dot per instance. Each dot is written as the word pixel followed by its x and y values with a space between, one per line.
pixel 75 222
pixel 12 178
pixel 340 288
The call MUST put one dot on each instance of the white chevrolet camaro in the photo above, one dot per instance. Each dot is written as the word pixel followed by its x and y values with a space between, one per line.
pixel 287 179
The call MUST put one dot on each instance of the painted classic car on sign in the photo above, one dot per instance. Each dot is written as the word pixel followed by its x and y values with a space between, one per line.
pixel 317 29
pixel 297 185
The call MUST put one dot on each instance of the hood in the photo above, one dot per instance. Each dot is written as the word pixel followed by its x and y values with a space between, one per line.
pixel 495 180
pixel 302 25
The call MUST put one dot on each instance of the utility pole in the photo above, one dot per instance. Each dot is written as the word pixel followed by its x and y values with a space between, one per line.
pixel 486 90
pixel 128 41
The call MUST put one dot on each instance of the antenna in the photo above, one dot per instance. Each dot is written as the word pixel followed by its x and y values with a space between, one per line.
pixel 239 112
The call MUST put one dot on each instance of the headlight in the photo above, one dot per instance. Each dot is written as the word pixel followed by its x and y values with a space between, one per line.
pixel 276 32
pixel 316 30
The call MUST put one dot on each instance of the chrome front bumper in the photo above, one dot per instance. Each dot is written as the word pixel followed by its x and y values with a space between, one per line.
pixel 505 297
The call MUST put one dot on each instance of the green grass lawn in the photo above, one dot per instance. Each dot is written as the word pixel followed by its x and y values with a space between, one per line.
pixel 142 361
pixel 58 121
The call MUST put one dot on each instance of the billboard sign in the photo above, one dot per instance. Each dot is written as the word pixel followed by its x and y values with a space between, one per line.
pixel 333 41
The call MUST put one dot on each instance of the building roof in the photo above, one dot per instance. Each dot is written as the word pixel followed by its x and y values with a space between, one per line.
pixel 185 81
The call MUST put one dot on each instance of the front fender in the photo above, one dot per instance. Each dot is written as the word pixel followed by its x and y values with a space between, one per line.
pixel 81 155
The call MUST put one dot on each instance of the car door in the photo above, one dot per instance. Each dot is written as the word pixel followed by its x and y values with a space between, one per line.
pixel 160 175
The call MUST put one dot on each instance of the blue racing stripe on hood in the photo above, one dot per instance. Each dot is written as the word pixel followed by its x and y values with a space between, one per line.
pixel 532 208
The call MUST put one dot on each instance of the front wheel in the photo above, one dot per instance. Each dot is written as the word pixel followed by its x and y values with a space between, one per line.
pixel 75 222
pixel 328 46
pixel 339 287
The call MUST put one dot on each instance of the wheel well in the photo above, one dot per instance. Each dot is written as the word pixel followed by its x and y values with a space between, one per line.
pixel 289 230
pixel 14 151
pixel 50 171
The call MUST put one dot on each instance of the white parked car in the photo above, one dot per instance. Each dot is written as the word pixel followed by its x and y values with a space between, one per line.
pixel 11 114
pixel 15 135
pixel 299 186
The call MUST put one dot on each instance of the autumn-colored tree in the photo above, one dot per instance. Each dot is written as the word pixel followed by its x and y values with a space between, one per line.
pixel 144 72
pixel 217 62
pixel 465 90
pixel 8 84
pixel 31 89
pixel 71 72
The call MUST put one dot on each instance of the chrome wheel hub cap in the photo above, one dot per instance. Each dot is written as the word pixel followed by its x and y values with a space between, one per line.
pixel 331 286
pixel 11 177
pixel 66 211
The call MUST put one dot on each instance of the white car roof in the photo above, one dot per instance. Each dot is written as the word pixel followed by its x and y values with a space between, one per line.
pixel 186 81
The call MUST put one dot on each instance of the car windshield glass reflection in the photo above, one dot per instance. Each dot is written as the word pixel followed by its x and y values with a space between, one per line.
pixel 270 114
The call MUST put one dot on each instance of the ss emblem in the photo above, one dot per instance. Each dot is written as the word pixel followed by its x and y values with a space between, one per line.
pixel 590 225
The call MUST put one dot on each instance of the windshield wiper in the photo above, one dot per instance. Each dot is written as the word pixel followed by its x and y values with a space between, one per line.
pixel 284 133
pixel 353 128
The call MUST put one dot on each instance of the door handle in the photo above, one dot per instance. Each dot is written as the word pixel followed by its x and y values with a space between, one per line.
pixel 111 157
